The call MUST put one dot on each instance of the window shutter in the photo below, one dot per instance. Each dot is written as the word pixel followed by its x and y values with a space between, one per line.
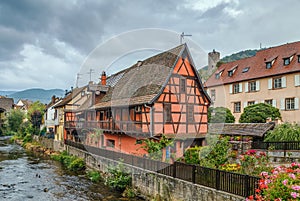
pixel 297 80
pixel 296 103
pixel 283 80
pixel 257 86
pixel 245 104
pixel 240 87
pixel 246 87
pixel 282 105
pixel 230 88
pixel 274 103
pixel 270 82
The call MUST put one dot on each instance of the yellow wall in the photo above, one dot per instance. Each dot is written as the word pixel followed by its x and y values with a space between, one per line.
pixel 225 99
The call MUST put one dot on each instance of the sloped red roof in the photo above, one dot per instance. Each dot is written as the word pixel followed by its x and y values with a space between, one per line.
pixel 257 65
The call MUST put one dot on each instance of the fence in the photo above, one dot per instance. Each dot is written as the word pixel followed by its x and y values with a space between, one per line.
pixel 238 184
pixel 276 145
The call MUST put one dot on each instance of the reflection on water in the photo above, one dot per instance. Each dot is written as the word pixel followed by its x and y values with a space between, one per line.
pixel 27 177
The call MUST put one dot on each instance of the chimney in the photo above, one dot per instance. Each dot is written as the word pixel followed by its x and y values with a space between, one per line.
pixel 53 99
pixel 103 78
pixel 71 89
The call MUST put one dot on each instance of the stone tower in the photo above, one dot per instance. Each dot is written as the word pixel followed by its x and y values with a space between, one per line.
pixel 213 59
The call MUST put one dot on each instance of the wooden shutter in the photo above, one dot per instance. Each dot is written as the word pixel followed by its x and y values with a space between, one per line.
pixel 296 103
pixel 246 87
pixel 230 88
pixel 245 104
pixel 274 103
pixel 283 81
pixel 297 80
pixel 282 104
pixel 240 87
pixel 270 83
pixel 257 86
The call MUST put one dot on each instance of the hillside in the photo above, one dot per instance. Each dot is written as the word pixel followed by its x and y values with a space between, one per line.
pixel 41 95
pixel 239 55
pixel 6 93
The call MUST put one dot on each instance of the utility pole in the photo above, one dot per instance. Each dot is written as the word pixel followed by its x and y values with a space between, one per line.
pixel 90 73
pixel 182 35
pixel 77 79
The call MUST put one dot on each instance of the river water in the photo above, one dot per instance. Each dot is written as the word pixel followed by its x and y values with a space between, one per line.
pixel 24 176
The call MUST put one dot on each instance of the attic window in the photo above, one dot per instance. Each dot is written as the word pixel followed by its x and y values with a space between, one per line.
pixel 230 72
pixel 245 70
pixel 286 61
pixel 269 65
pixel 218 75
pixel 298 58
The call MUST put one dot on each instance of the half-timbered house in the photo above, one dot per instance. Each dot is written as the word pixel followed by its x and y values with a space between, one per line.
pixel 161 95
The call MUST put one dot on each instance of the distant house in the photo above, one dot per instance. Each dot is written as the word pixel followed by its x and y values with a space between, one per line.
pixel 23 105
pixel 64 112
pixel 159 95
pixel 51 121
pixel 272 76
pixel 6 104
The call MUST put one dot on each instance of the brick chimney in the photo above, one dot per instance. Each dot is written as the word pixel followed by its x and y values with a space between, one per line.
pixel 103 78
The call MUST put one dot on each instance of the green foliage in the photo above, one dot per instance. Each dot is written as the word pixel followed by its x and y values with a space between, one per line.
pixel 36 106
pixel 258 113
pixel 221 115
pixel 284 132
pixel 239 55
pixel 70 162
pixel 216 154
pixel 27 138
pixel 94 176
pixel 118 178
pixel 129 192
pixel 191 155
pixel 154 147
pixel 14 120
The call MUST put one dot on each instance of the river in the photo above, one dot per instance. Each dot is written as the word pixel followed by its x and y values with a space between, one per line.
pixel 24 176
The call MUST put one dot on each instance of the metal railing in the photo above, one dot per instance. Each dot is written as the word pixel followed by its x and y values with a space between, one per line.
pixel 276 145
pixel 238 184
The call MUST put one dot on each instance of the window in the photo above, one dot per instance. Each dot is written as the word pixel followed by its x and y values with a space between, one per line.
pixel 110 143
pixel 269 102
pixel 245 70
pixel 251 103
pixel 298 58
pixel 237 107
pixel 230 73
pixel 252 86
pixel 277 83
pixel 286 61
pixel 269 65
pixel 236 88
pixel 190 113
pixel 217 75
pixel 182 85
pixel 290 103
pixel 167 113
pixel 213 94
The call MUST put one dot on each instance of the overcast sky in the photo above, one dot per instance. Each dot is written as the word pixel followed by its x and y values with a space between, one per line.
pixel 44 44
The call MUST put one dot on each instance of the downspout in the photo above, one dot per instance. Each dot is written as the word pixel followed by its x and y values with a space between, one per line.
pixel 151 119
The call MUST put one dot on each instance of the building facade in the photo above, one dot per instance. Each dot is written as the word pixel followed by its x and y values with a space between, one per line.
pixel 161 95
pixel 272 76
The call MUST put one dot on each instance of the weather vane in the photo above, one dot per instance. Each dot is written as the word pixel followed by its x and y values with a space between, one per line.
pixel 182 36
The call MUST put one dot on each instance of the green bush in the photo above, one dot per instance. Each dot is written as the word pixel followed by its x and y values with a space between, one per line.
pixel 94 176
pixel 258 113
pixel 221 115
pixel 70 162
pixel 27 138
pixel 118 178
pixel 284 132
pixel 191 155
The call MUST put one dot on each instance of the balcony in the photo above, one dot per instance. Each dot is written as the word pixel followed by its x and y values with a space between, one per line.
pixel 116 127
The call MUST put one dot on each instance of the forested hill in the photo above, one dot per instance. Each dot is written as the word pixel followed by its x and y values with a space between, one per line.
pixel 239 55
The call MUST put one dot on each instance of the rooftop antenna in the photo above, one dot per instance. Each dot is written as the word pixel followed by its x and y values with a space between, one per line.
pixel 77 79
pixel 91 72
pixel 182 36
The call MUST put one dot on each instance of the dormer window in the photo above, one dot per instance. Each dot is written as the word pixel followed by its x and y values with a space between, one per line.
pixel 268 65
pixel 245 70
pixel 286 61
pixel 298 58
pixel 218 75
pixel 231 71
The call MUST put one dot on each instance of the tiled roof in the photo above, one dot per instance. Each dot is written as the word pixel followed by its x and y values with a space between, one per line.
pixel 141 82
pixel 6 103
pixel 257 65
pixel 246 129
pixel 70 96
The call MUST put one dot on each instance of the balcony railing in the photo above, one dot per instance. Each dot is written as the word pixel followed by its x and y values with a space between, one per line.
pixel 109 126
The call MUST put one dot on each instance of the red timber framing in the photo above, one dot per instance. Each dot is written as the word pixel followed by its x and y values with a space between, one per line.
pixel 182 106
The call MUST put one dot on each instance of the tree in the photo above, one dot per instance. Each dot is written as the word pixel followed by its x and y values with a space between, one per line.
pixel 284 132
pixel 258 113
pixel 35 114
pixel 15 120
pixel 221 115
pixel 154 147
